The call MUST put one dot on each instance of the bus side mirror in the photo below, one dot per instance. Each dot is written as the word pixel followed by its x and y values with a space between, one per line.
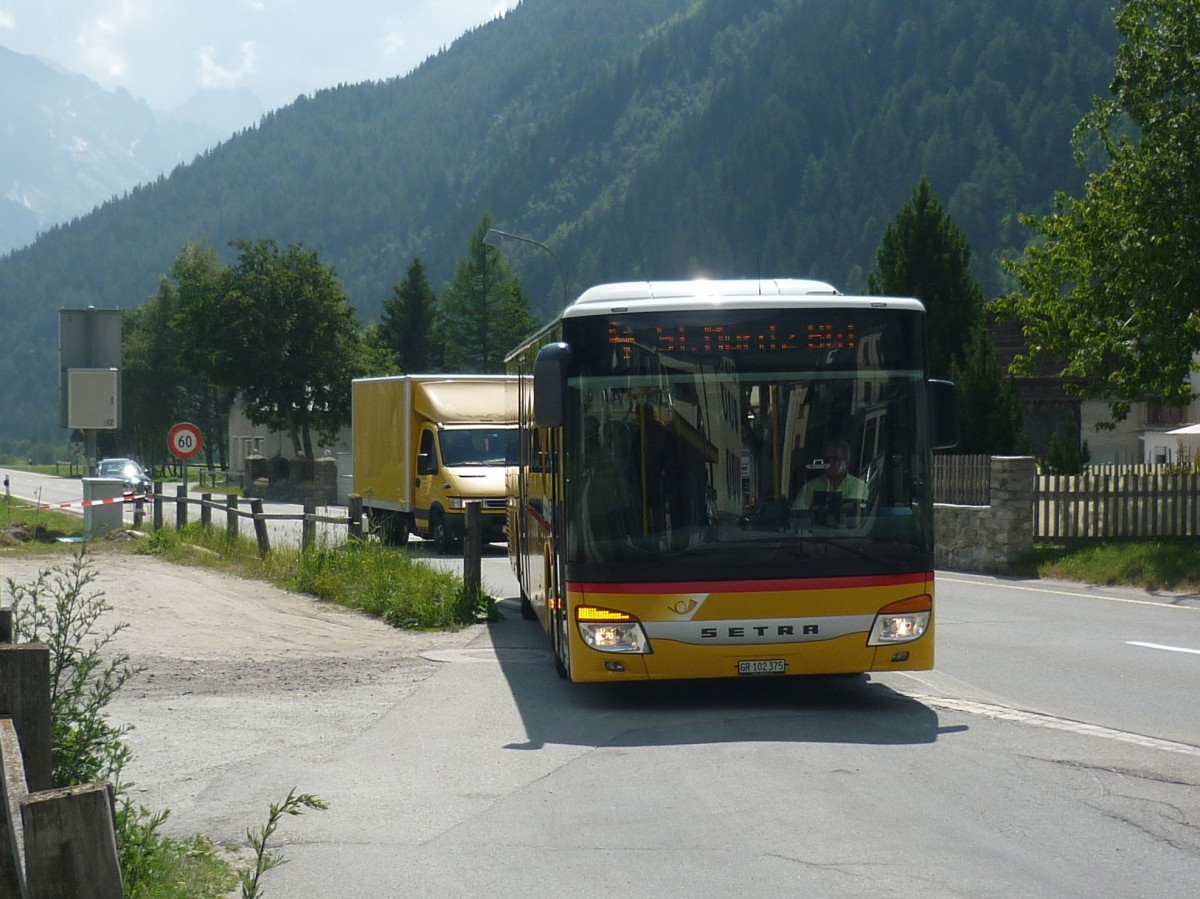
pixel 550 385
pixel 943 414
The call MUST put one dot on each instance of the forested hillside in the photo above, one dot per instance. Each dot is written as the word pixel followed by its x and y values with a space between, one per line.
pixel 639 138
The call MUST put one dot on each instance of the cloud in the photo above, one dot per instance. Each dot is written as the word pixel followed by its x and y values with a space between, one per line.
pixel 6 20
pixel 97 43
pixel 214 75
pixel 394 42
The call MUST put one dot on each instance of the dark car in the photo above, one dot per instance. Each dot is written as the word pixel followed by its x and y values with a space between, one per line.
pixel 136 480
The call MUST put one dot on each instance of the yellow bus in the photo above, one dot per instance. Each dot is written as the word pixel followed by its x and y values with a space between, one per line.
pixel 727 479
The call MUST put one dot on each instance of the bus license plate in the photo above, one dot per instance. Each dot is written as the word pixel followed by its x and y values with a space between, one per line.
pixel 762 666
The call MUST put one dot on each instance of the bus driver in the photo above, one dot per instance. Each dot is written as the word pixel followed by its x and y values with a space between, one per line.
pixel 835 485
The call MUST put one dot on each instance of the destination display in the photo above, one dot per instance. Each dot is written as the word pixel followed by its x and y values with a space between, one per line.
pixel 763 337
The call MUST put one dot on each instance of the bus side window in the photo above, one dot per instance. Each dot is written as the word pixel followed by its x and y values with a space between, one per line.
pixel 536 462
pixel 551 446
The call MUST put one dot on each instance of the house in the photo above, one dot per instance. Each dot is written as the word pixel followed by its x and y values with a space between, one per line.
pixel 1148 435
pixel 1045 401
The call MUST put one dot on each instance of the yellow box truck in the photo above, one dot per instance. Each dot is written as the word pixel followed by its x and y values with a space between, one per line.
pixel 425 445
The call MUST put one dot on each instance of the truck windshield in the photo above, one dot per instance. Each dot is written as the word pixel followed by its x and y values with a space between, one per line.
pixel 477 446
pixel 764 443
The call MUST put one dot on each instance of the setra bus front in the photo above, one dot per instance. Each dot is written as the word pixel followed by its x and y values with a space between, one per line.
pixel 743 485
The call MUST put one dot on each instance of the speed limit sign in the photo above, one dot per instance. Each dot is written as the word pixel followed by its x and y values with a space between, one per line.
pixel 184 440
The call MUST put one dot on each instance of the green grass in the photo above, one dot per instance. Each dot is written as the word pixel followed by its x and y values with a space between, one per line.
pixel 360 575
pixel 1167 564
pixel 180 869
pixel 26 528
pixel 365 576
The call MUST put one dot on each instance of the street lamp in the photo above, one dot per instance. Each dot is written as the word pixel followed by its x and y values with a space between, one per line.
pixel 492 238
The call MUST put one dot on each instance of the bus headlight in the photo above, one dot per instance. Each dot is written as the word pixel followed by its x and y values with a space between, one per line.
pixel 607 630
pixel 901 622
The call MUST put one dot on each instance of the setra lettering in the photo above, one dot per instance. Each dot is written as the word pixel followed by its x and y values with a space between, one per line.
pixel 735 632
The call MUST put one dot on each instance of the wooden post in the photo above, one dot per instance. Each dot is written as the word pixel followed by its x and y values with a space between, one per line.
pixel 308 527
pixel 472 550
pixel 260 528
pixel 181 510
pixel 205 509
pixel 139 511
pixel 12 791
pixel 25 697
pixel 231 517
pixel 158 506
pixel 354 513
pixel 71 843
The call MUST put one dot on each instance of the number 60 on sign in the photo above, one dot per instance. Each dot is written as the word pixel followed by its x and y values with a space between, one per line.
pixel 184 440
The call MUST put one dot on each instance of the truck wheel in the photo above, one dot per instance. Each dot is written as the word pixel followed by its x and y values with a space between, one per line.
pixel 442 541
pixel 392 527
pixel 398 531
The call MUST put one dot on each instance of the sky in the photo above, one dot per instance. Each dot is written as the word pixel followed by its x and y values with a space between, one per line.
pixel 163 51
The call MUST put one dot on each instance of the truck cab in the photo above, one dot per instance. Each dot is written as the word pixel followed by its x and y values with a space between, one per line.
pixel 456 464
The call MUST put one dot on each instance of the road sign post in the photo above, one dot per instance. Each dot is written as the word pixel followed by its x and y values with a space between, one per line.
pixel 185 441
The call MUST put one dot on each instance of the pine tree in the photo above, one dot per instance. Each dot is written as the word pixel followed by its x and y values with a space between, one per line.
pixel 923 254
pixel 408 322
pixel 991 418
pixel 483 312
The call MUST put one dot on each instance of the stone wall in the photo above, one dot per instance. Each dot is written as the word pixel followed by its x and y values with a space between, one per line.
pixel 997 538
pixel 292 480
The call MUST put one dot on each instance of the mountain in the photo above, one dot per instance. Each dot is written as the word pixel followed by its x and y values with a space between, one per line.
pixel 638 138
pixel 67 145
pixel 221 111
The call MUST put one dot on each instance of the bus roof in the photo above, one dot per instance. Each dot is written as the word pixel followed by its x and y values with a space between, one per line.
pixel 676 295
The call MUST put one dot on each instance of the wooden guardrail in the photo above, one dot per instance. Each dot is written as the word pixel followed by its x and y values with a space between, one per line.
pixel 234 513
pixel 53 842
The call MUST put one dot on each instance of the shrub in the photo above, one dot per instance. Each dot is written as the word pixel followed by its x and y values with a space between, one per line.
pixel 1065 454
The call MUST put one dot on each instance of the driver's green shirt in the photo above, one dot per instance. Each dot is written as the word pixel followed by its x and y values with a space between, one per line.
pixel 851 488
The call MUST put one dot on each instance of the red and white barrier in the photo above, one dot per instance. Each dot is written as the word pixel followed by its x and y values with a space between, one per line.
pixel 127 498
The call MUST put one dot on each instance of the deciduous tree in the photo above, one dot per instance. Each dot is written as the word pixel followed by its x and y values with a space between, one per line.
pixel 159 388
pixel 1111 281
pixel 281 335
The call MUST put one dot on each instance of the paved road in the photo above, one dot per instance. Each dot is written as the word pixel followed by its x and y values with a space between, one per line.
pixel 1013 769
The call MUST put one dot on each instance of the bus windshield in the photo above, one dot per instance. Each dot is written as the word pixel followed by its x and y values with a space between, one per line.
pixel 756 443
